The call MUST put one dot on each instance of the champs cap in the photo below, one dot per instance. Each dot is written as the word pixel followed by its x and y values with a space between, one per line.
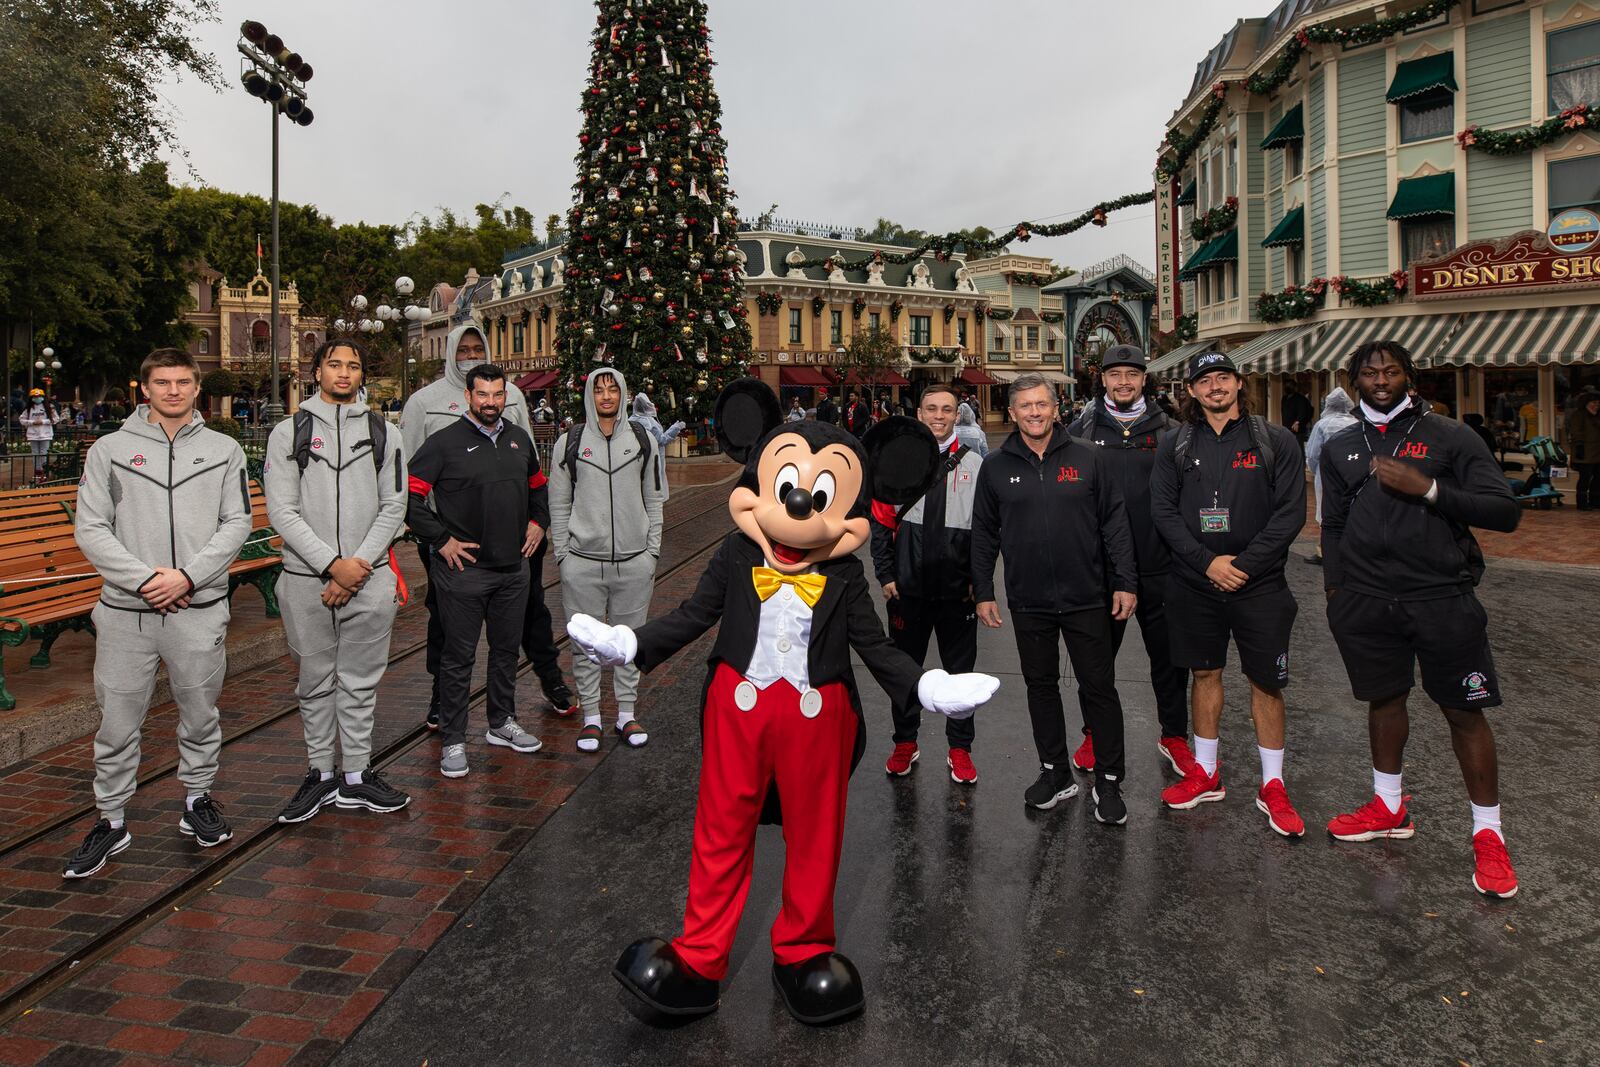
pixel 1123 356
pixel 1206 362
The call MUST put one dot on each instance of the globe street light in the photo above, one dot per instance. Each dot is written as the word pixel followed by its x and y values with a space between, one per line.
pixel 387 313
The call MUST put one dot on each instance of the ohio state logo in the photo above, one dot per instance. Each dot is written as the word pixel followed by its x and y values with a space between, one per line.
pixel 1245 461
pixel 454 406
pixel 1067 474
pixel 513 444
pixel 316 442
pixel 137 461
pixel 1413 450
pixel 587 453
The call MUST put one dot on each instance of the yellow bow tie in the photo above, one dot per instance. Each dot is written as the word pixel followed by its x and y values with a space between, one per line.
pixel 767 581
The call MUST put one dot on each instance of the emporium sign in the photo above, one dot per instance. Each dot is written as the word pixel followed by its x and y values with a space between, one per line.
pixel 1522 262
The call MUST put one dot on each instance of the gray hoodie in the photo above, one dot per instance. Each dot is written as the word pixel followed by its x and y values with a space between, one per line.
pixel 968 430
pixel 644 413
pixel 146 502
pixel 342 506
pixel 433 407
pixel 615 511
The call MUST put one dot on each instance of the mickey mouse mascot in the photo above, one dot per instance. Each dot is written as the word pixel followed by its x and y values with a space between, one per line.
pixel 782 721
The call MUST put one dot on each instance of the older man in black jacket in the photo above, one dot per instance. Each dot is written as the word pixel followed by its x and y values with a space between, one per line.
pixel 1047 503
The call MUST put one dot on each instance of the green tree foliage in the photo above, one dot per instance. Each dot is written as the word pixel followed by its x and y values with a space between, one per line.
pixel 220 383
pixel 651 281
pixel 872 353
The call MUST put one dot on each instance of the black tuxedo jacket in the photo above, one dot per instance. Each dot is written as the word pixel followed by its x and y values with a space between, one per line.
pixel 843 618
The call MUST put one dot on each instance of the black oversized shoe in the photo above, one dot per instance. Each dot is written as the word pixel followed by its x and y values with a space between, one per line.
pixel 314 792
pixel 373 792
pixel 652 970
pixel 824 989
pixel 204 822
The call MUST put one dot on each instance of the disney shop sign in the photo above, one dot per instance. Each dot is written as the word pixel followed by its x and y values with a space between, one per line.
pixel 1564 257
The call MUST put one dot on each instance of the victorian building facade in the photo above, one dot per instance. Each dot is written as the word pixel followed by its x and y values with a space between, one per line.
pixel 231 329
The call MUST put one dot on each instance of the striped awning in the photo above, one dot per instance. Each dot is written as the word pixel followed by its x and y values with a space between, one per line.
pixel 1522 337
pixel 1173 363
pixel 1283 346
pixel 1421 335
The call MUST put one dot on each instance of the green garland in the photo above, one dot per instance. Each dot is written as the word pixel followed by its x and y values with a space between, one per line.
pixel 1369 294
pixel 1526 139
pixel 949 312
pixel 857 306
pixel 942 355
pixel 1348 36
pixel 1027 278
pixel 999 313
pixel 1183 146
pixel 894 311
pixel 1295 302
pixel 1051 316
pixel 817 304
pixel 768 303
pixel 1217 220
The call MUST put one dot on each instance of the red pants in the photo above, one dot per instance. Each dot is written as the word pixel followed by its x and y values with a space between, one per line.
pixel 745 753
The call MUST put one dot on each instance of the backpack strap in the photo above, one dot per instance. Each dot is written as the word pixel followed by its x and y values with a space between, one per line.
pixel 302 439
pixel 569 460
pixel 645 453
pixel 1180 450
pixel 378 427
pixel 1261 440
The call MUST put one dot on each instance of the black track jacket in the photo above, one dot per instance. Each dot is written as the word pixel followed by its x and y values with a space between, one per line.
pixel 1130 456
pixel 483 491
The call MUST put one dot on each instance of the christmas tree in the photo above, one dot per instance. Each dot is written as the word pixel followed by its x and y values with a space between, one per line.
pixel 652 285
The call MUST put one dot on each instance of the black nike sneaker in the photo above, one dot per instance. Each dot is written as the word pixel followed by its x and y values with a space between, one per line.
pixel 1054 785
pixel 561 699
pixel 98 846
pixel 1108 805
pixel 433 717
pixel 373 793
pixel 204 823
pixel 314 792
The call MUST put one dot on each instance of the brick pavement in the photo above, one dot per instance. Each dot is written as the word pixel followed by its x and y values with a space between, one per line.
pixel 284 956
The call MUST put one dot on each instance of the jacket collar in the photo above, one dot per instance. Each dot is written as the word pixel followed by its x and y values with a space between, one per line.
pixel 1059 438
pixel 1152 419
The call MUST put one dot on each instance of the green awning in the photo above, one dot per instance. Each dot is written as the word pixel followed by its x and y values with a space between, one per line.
pixel 1417 197
pixel 1188 196
pixel 1289 128
pixel 1197 260
pixel 1417 76
pixel 1227 250
pixel 1290 231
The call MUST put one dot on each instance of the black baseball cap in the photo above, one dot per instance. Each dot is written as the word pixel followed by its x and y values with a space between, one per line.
pixel 1124 356
pixel 1206 362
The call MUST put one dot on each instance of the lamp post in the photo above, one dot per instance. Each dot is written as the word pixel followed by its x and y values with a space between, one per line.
pixel 402 317
pixel 276 75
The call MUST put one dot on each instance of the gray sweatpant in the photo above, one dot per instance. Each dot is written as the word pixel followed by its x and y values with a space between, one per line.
pixel 128 645
pixel 343 653
pixel 617 593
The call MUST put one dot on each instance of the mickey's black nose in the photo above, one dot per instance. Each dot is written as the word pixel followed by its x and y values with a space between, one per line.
pixel 798 503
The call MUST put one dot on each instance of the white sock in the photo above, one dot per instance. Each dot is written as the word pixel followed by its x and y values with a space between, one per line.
pixel 188 801
pixel 326 775
pixel 1271 764
pixel 1486 819
pixel 624 716
pixel 116 824
pixel 1387 787
pixel 350 777
pixel 1205 753
pixel 591 720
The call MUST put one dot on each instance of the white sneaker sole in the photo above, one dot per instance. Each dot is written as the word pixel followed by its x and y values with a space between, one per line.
pixel 1066 794
pixel 1203 798
pixel 959 781
pixel 495 739
pixel 1095 794
pixel 127 839
pixel 187 830
pixel 357 802
pixel 901 774
pixel 462 773
pixel 1399 834
pixel 1475 885
pixel 1262 808
pixel 324 802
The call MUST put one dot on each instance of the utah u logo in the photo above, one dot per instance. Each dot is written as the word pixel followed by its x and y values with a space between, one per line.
pixel 1413 450
pixel 1068 474
pixel 1245 460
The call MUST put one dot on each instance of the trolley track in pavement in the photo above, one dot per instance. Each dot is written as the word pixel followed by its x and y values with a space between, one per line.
pixel 78 957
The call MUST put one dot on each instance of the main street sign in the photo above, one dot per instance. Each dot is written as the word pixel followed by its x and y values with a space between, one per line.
pixel 1522 262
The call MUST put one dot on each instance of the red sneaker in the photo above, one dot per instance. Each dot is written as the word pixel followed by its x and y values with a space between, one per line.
pixel 1176 749
pixel 961 769
pixel 901 759
pixel 1370 821
pixel 1195 788
pixel 1273 802
pixel 1494 876
pixel 1083 759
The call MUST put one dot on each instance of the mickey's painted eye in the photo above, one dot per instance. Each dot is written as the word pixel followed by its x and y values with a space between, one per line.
pixel 788 478
pixel 824 491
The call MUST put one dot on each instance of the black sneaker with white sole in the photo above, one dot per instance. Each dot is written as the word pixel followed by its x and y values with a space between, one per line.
pixel 204 822
pixel 372 793
pixel 1108 805
pixel 1055 784
pixel 433 717
pixel 314 792
pixel 99 845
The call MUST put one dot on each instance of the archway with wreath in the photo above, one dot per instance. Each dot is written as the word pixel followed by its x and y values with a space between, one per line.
pixel 1104 324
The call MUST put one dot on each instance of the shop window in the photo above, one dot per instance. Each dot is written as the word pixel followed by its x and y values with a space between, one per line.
pixel 1511 405
pixel 1574 183
pixel 1231 158
pixel 1032 339
pixel 961 331
pixel 794 326
pixel 519 337
pixel 1293 159
pixel 1294 257
pixel 1572 58
pixel 922 329
pixel 1426 237
pixel 874 321
pixel 835 327
pixel 1430 115
pixel 1000 340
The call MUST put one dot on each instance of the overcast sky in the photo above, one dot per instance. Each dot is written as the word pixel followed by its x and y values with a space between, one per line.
pixel 936 114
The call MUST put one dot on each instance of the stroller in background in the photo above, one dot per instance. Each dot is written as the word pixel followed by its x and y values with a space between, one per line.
pixel 1537 488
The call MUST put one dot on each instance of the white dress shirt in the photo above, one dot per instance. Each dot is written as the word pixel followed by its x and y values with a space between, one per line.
pixel 783 641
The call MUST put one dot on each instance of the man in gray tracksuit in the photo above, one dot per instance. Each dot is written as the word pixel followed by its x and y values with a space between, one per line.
pixel 605 522
pixel 335 477
pixel 163 508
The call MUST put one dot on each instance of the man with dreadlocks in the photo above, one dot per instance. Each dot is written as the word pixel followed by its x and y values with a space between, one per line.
pixel 1124 422
pixel 1402 488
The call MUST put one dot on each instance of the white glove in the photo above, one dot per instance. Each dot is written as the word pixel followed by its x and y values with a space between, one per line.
pixel 676 427
pixel 609 646
pixel 955 695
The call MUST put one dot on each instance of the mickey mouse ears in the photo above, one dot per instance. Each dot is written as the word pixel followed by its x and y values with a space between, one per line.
pixel 746 411
pixel 904 460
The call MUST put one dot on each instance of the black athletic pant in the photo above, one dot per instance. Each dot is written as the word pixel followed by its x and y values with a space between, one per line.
pixel 1171 684
pixel 1089 644
pixel 538 640
pixel 435 625
pixel 467 600
pixel 1588 490
pixel 912 621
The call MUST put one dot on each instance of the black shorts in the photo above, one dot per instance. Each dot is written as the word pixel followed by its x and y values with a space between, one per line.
pixel 1200 625
pixel 1382 640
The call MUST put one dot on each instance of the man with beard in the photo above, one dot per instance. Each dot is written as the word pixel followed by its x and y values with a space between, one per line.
pixel 1402 487
pixel 1125 424
pixel 606 496
pixel 1228 496
pixel 336 492
pixel 1047 503
pixel 441 405
pixel 478 499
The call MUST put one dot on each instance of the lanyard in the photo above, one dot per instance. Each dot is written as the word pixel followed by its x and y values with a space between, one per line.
pixel 1421 413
